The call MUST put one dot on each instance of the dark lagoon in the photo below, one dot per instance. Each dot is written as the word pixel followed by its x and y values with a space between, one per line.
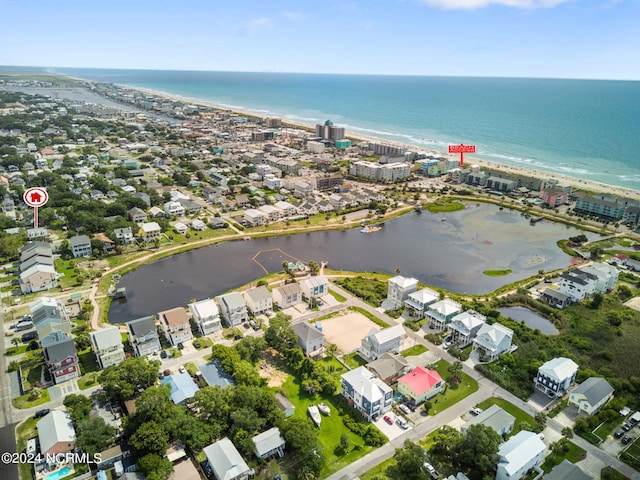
pixel 530 318
pixel 449 251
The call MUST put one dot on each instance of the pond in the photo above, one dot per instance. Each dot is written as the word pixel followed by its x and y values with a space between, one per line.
pixel 530 318
pixel 446 250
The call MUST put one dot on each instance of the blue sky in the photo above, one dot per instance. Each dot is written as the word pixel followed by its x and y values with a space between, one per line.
pixel 514 38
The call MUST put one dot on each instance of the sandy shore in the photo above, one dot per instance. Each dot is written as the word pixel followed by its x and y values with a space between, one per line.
pixel 576 183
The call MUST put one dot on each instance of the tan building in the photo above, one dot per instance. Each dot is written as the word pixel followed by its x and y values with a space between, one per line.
pixel 175 325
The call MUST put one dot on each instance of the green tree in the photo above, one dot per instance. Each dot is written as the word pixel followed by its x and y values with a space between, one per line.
pixel 280 335
pixel 251 348
pixel 95 435
pixel 79 407
pixel 302 437
pixel 345 443
pixel 477 450
pixel 150 437
pixel 567 432
pixel 409 461
pixel 155 467
pixel 121 381
pixel 455 370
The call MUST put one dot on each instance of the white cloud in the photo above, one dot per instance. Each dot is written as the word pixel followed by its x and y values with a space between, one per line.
pixel 258 24
pixel 473 4
pixel 294 16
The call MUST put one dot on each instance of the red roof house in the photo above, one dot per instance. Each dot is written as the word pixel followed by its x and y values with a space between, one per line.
pixel 420 384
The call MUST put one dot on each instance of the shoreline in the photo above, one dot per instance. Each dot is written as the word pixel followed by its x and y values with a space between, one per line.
pixel 586 185
pixel 563 179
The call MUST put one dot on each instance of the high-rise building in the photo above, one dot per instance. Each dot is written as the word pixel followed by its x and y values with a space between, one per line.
pixel 329 132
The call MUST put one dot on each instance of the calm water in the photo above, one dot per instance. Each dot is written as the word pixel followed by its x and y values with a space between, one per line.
pixel 530 319
pixel 584 128
pixel 450 254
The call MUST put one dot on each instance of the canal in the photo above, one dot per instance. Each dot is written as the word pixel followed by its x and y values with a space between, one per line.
pixel 450 251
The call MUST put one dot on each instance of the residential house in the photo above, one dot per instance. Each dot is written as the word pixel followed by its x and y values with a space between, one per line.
pixel 137 215
pixel 366 392
pixel 36 233
pixel 577 284
pixel 60 356
pixel 287 295
pixel 607 276
pixel 206 315
pixel 591 395
pixel 310 339
pixel 285 406
pixel 501 421
pixel 47 310
pixel 143 336
pixel 180 228
pixel 254 217
pixel 156 212
pixel 377 342
pixel 556 376
pixel 123 235
pixel 420 385
pixel 198 225
pixel 399 288
pixel 566 470
pixel 37 278
pixel 175 325
pixel 80 246
pixel 56 433
pixel 417 302
pixel 258 300
pixel 492 341
pixel 389 367
pixel 150 231
pixel 226 462
pixel 518 455
pixel 555 298
pixel 314 287
pixel 269 443
pixel 232 308
pixel 272 213
pixel 41 249
pixel 106 343
pixel 182 387
pixel 174 208
pixel 190 207
pixel 441 313
pixel 213 374
pixel 464 327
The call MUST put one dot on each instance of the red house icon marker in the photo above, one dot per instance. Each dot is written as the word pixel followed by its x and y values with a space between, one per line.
pixel 35 197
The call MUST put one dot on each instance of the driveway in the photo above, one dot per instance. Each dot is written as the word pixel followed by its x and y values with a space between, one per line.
pixel 391 431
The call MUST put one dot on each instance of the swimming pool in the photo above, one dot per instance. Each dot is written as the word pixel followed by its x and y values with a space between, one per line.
pixel 59 474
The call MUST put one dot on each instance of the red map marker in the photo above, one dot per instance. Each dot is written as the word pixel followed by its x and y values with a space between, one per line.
pixel 35 197
pixel 462 149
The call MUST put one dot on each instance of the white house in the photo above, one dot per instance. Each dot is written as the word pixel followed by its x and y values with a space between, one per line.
pixel 286 208
pixel 258 300
pixel 269 443
pixel 226 462
pixel 287 295
pixel 254 217
pixel 591 395
pixel 272 213
pixel 417 302
pixel 175 325
pixel 150 231
pixel 366 392
pixel 492 341
pixel 518 455
pixel 180 228
pixel 399 288
pixel 206 315
pixel 143 336
pixel 174 208
pixel 440 313
pixel 314 287
pixel 123 235
pixel 556 376
pixel 232 308
pixel 577 285
pixel 56 433
pixel 607 275
pixel 464 327
pixel 106 343
pixel 80 246
pixel 377 342
pixel 310 339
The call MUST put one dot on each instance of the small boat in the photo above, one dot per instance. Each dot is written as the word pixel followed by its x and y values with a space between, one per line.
pixel 324 408
pixel 315 414
pixel 370 229
pixel 443 219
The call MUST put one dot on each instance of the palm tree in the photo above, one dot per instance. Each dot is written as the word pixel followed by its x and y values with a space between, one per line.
pixel 314 267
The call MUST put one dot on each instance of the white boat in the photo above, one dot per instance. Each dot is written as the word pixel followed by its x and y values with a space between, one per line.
pixel 315 414
pixel 324 408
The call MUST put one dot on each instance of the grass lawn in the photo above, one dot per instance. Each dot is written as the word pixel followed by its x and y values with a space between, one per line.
pixel 370 316
pixel 24 432
pixel 510 408
pixel 330 430
pixel 574 455
pixel 609 473
pixel 191 367
pixel 16 350
pixel 229 333
pixel 417 349
pixel 334 365
pixel 88 361
pixel 385 469
pixel 354 360
pixel 607 428
pixel 88 381
pixel 631 455
pixel 31 376
pixel 205 342
pixel 454 393
pixel 24 401
pixel 497 273
pixel 444 206
pixel 337 296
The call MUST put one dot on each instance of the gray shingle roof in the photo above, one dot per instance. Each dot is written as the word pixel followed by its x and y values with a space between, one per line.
pixel 594 389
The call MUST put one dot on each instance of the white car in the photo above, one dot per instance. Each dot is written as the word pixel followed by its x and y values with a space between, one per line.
pixel 182 370
pixel 404 408
pixel 476 411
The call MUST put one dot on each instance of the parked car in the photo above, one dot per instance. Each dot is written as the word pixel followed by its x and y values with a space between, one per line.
pixel 181 346
pixel 387 419
pixel 196 343
pixel 182 370
pixel 627 426
pixel 404 408
pixel 619 433
pixel 402 423
pixel 163 354
pixel 448 341
pixel 246 325
pixel 27 337
pixel 626 439
pixel 432 471
pixel 475 411
pixel 41 413
pixel 161 376
pixel 238 337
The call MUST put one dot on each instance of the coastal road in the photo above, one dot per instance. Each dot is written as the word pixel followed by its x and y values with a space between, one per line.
pixel 7 432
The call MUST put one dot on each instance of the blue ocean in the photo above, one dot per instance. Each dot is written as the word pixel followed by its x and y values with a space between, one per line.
pixel 584 128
